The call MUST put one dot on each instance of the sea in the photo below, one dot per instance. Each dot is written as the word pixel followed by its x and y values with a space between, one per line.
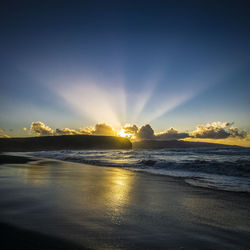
pixel 225 169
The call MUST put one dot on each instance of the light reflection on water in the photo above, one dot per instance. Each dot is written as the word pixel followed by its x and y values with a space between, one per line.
pixel 105 190
pixel 95 205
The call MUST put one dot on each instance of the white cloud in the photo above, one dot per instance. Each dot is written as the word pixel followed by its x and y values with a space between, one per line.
pixel 217 130
pixel 102 129
pixel 67 131
pixel 41 129
pixel 4 136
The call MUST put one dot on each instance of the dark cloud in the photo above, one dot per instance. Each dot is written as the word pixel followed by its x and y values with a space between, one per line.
pixel 171 134
pixel 217 130
pixel 145 132
pixel 235 132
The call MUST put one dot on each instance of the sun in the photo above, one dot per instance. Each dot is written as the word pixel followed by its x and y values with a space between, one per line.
pixel 122 133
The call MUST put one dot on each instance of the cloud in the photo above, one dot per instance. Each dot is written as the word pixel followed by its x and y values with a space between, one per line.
pixel 67 131
pixel 171 134
pixel 145 132
pixel 217 130
pixel 214 130
pixel 99 129
pixel 235 132
pixel 103 129
pixel 41 129
pixel 130 129
pixel 4 136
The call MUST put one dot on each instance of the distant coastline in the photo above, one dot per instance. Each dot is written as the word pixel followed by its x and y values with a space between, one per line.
pixel 64 142
pixel 78 142
pixel 160 144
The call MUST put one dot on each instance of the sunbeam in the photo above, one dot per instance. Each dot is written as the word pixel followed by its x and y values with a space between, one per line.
pixel 94 102
pixel 116 106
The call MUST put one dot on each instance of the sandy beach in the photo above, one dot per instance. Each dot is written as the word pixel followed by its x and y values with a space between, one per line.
pixel 64 205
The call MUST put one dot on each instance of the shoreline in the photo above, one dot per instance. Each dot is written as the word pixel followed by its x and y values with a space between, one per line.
pixel 108 207
pixel 16 158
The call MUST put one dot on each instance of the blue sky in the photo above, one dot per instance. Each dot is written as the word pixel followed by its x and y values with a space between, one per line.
pixel 170 64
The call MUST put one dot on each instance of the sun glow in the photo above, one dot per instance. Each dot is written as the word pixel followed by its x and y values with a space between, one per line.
pixel 122 133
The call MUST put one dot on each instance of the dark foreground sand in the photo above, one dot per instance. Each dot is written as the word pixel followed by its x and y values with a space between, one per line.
pixel 49 204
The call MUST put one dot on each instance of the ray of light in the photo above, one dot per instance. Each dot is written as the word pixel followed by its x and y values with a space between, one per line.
pixel 165 105
pixel 140 101
pixel 106 101
pixel 94 102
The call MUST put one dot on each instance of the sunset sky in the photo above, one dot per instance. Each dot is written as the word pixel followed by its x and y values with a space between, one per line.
pixel 170 64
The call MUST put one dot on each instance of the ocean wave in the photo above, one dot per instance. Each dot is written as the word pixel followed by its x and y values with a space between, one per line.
pixel 227 169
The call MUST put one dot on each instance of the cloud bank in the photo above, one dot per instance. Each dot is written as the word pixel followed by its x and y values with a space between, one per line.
pixel 130 129
pixel 40 129
pixel 66 131
pixel 171 134
pixel 217 130
pixel 146 132
pixel 2 135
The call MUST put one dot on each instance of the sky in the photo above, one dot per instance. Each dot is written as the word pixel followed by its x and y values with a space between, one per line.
pixel 170 64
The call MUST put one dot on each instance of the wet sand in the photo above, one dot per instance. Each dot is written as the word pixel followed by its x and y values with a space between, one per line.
pixel 83 206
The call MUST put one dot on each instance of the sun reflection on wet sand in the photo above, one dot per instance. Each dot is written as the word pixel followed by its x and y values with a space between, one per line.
pixel 98 192
pixel 106 194
pixel 118 194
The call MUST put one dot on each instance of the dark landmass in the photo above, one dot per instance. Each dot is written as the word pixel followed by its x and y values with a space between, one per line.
pixel 8 159
pixel 13 238
pixel 64 142
pixel 78 142
pixel 157 144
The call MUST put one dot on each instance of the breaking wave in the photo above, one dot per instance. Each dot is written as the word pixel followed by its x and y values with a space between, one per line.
pixel 224 169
